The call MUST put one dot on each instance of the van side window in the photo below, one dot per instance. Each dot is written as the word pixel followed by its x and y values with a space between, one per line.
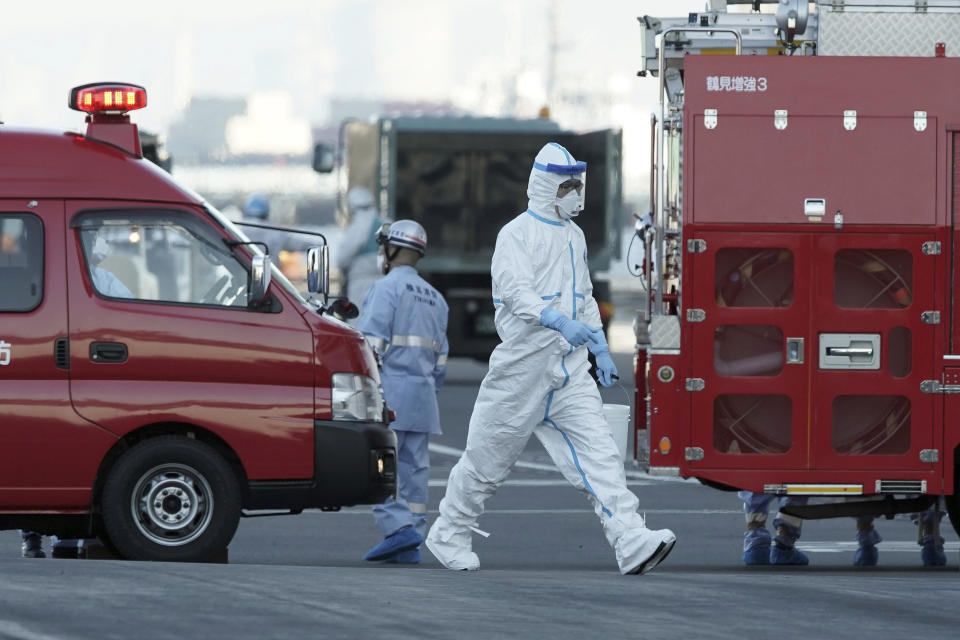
pixel 21 262
pixel 161 258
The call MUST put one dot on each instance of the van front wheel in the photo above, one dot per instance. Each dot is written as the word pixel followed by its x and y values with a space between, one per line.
pixel 171 498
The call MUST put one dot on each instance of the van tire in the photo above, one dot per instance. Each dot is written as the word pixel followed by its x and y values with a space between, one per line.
pixel 171 498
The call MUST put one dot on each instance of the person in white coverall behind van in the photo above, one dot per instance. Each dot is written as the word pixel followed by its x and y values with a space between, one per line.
pixel 357 252
pixel 539 378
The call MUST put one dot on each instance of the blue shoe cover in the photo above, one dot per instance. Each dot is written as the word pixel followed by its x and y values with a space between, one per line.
pixel 757 556
pixel 932 555
pixel 403 539
pixel 865 556
pixel 787 556
pixel 411 556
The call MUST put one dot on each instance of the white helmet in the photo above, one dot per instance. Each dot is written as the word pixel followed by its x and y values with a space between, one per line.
pixel 404 233
pixel 552 167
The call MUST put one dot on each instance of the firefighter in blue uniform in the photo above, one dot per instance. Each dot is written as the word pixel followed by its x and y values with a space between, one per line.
pixel 405 321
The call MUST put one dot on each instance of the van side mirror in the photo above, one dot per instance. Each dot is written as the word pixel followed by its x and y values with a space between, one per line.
pixel 344 309
pixel 259 278
pixel 324 158
pixel 318 270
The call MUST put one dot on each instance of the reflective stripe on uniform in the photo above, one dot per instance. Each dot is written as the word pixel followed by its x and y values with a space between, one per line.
pixel 791 520
pixel 415 341
pixel 442 360
pixel 417 507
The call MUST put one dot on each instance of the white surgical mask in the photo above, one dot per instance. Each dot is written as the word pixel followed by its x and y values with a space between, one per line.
pixel 382 264
pixel 569 205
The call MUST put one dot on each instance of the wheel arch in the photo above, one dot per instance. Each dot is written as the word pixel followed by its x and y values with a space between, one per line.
pixel 154 430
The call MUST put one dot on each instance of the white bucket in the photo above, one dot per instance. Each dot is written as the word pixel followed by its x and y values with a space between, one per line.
pixel 618 421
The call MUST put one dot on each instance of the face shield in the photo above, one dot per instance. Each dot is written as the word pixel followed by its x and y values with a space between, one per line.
pixel 570 198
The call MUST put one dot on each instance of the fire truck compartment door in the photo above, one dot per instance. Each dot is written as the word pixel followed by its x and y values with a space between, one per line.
pixel 882 172
pixel 849 350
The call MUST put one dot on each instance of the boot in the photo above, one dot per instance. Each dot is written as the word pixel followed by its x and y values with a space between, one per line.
pixel 32 546
pixel 784 552
pixel 642 550
pixel 930 540
pixel 411 556
pixel 931 552
pixel 866 554
pixel 756 542
pixel 452 546
pixel 757 556
pixel 403 539
pixel 782 555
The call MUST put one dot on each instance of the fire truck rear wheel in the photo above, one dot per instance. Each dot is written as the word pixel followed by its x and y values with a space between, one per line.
pixel 171 498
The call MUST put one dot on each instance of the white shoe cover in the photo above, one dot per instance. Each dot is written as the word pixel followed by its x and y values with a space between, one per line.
pixel 452 547
pixel 638 552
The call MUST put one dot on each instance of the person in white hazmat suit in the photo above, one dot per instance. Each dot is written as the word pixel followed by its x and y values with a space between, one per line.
pixel 357 252
pixel 539 380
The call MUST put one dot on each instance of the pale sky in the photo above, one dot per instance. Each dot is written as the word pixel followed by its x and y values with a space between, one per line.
pixel 456 50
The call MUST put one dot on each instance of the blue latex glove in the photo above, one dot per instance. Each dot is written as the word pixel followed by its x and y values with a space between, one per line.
pixel 606 370
pixel 574 331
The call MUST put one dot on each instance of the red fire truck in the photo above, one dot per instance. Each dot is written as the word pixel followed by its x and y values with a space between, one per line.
pixel 801 334
pixel 157 377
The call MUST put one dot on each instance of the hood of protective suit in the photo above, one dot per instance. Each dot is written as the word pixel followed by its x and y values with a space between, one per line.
pixel 552 166
pixel 359 198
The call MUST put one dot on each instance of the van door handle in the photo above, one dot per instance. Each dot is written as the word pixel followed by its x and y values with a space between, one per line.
pixel 108 352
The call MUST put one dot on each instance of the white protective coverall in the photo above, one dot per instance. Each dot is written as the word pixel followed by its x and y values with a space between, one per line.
pixel 539 384
pixel 357 252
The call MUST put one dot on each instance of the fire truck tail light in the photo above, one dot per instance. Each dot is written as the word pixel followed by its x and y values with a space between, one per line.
pixel 665 445
pixel 108 98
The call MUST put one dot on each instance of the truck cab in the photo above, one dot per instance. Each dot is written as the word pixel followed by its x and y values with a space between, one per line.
pixel 158 377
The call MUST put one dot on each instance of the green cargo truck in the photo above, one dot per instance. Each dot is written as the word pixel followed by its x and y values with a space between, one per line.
pixel 463 178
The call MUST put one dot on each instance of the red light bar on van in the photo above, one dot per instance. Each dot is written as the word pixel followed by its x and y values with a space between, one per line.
pixel 112 97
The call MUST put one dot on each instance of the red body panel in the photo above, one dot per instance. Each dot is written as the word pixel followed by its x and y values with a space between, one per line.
pixel 257 380
pixel 248 377
pixel 41 164
pixel 50 455
pixel 745 182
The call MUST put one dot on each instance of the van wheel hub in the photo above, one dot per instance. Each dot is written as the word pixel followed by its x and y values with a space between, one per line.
pixel 172 504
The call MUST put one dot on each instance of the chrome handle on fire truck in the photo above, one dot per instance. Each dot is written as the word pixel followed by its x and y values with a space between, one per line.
pixel 850 351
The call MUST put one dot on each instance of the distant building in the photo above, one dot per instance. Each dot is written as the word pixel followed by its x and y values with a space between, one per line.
pixel 269 126
pixel 200 133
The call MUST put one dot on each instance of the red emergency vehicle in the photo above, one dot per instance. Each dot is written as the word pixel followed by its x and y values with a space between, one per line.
pixel 157 377
pixel 801 336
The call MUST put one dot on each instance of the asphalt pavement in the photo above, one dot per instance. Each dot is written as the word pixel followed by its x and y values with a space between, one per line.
pixel 546 571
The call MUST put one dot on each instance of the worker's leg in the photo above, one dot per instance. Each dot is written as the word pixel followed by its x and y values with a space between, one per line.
pixel 578 440
pixel 784 550
pixel 403 520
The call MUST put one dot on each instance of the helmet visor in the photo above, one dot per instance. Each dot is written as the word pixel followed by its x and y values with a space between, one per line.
pixel 382 233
